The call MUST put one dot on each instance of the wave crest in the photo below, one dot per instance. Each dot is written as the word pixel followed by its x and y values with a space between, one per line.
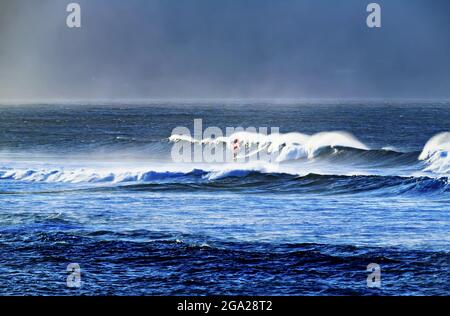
pixel 436 153
pixel 90 175
pixel 242 180
pixel 290 146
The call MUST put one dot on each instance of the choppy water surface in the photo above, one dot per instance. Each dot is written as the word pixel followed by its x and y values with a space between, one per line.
pixel 353 184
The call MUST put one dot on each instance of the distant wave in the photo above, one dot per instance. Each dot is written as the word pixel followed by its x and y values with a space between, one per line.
pixel 291 145
pixel 329 162
pixel 241 180
pixel 310 184
pixel 88 175
pixel 334 145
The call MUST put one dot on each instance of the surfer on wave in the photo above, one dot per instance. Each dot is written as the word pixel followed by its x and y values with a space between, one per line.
pixel 236 148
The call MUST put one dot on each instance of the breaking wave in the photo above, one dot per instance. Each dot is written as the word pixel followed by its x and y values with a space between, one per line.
pixel 290 146
pixel 240 180
pixel 436 154
pixel 332 146
pixel 325 163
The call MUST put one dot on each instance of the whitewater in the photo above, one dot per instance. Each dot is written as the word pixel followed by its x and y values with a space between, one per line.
pixel 300 212
pixel 324 153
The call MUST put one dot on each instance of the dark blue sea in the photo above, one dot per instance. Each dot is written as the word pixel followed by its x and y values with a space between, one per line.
pixel 354 183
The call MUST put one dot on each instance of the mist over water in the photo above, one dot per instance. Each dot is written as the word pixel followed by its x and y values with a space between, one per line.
pixel 93 182
pixel 224 49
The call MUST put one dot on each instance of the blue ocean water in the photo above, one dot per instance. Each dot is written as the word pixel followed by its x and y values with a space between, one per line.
pixel 94 184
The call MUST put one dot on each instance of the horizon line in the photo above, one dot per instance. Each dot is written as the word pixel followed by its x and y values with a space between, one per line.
pixel 136 101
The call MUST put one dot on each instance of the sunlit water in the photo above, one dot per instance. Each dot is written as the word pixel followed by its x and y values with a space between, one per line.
pixel 95 185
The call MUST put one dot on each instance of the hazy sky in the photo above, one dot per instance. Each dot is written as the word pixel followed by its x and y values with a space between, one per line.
pixel 224 49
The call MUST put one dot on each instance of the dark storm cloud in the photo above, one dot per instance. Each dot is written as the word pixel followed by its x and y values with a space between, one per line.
pixel 215 49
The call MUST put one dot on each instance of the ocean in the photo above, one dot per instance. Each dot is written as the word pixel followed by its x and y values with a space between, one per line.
pixel 354 183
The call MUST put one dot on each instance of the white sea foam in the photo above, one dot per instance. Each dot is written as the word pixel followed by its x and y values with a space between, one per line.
pixel 293 147
pixel 92 174
pixel 436 154
pixel 127 173
pixel 290 146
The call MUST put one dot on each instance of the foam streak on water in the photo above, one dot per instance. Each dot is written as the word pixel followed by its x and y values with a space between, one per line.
pixel 351 184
